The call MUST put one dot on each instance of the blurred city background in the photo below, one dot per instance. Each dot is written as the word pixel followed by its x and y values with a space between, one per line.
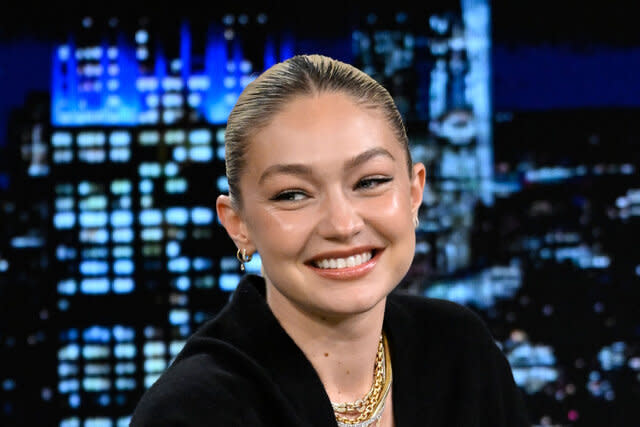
pixel 112 154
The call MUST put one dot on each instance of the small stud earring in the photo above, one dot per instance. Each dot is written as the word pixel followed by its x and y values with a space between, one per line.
pixel 243 257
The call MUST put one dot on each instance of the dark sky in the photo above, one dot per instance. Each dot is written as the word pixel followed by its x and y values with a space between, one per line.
pixel 546 54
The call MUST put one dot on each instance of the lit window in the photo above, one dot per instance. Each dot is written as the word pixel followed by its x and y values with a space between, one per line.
pixel 68 386
pixel 121 218
pixel 122 235
pixel 123 285
pixel 200 154
pixel 122 252
pixel 99 236
pixel 123 267
pixel 201 215
pixel 229 282
pixel 96 384
pixel 170 169
pixel 154 348
pixel 64 203
pixel 150 217
pixel 95 286
pixel 125 384
pixel 151 234
pixel 122 186
pixel 124 351
pixel 94 268
pixel 178 265
pixel 93 219
pixel 149 137
pixel 154 365
pixel 124 368
pixel 179 154
pixel 64 220
pixel 123 333
pixel 194 100
pixel 198 83
pixel 91 139
pixel 149 169
pixel 176 185
pixel 177 216
pixel 145 186
pixel 67 287
pixel 69 352
pixel 62 156
pixel 61 139
pixel 172 137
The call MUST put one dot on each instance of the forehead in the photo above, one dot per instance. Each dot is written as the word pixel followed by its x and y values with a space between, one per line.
pixel 324 127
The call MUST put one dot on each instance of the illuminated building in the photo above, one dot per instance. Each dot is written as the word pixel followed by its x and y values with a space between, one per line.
pixel 137 162
pixel 27 380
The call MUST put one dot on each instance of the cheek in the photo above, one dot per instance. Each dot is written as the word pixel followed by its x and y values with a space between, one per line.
pixel 278 231
pixel 392 213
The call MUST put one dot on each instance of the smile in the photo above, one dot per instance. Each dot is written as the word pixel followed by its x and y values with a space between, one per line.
pixel 350 261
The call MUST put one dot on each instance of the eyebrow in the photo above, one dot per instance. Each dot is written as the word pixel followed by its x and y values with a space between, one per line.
pixel 304 170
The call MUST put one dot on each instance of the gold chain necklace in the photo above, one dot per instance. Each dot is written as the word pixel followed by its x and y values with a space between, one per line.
pixel 369 408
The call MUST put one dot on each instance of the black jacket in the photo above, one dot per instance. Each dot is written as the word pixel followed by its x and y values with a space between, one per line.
pixel 242 369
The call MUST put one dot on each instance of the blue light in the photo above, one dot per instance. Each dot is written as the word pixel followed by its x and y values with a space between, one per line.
pixel 64 220
pixel 67 287
pixel 178 265
pixel 150 217
pixel 121 218
pixel 96 334
pixel 93 219
pixel 122 235
pixel 182 283
pixel 124 351
pixel 200 264
pixel 201 216
pixel 61 139
pixel 177 216
pixel 95 286
pixel 178 317
pixel 173 249
pixel 123 333
pixel 229 282
pixel 94 268
pixel 123 266
pixel 200 154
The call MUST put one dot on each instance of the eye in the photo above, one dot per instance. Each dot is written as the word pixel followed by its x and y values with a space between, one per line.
pixel 372 182
pixel 289 196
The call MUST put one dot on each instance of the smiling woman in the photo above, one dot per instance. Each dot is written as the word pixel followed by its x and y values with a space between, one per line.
pixel 322 186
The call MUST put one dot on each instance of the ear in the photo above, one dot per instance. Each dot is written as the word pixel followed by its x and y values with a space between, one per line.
pixel 417 186
pixel 232 221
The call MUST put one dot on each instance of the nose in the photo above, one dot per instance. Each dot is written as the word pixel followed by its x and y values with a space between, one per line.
pixel 340 218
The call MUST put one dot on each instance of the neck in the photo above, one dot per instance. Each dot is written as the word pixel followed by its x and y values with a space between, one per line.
pixel 341 348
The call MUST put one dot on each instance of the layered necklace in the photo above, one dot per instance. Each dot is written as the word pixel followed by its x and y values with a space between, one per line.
pixel 368 410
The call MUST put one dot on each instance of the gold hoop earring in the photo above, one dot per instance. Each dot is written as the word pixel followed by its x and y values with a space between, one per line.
pixel 243 257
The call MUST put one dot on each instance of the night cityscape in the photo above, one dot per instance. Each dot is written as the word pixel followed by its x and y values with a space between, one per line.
pixel 112 155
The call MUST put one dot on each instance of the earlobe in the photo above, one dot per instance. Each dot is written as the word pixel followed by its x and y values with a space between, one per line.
pixel 232 221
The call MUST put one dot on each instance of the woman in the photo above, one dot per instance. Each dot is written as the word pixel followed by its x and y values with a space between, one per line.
pixel 322 185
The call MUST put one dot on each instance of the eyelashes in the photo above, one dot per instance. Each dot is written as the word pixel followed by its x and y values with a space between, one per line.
pixel 365 185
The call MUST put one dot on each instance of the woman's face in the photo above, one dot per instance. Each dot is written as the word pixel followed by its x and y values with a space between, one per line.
pixel 329 204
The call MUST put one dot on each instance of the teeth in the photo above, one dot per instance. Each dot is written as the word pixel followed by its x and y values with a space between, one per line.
pixel 350 261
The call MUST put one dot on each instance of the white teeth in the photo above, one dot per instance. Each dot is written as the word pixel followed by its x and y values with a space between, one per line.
pixel 350 261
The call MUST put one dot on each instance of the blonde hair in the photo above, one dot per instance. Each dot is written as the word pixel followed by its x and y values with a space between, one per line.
pixel 263 98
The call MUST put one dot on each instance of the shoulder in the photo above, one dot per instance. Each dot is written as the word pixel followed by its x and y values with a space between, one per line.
pixel 192 391
pixel 437 316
